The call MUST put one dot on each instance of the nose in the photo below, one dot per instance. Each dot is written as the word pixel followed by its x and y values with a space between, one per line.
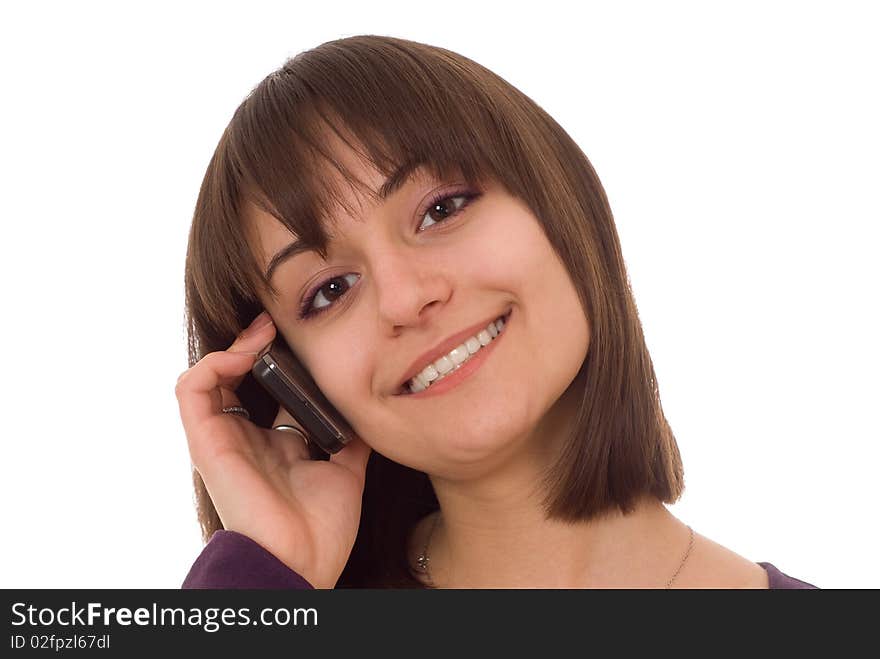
pixel 408 287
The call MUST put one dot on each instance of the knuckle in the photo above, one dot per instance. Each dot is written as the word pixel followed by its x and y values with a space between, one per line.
pixel 212 358
pixel 208 361
pixel 178 386
pixel 178 390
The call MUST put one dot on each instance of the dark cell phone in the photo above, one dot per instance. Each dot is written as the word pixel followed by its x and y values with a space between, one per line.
pixel 281 373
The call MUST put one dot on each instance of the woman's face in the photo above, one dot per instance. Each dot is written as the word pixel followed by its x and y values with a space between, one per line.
pixel 402 277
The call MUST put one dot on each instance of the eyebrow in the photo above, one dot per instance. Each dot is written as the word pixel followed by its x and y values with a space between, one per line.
pixel 393 183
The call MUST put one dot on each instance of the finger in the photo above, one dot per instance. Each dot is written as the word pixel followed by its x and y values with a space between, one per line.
pixel 228 398
pixel 256 336
pixel 198 389
pixel 286 418
pixel 252 340
pixel 296 444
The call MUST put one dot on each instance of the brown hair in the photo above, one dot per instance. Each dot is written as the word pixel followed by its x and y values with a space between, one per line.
pixel 405 104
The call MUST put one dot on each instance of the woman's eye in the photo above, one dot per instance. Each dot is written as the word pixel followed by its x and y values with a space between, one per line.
pixel 445 207
pixel 329 291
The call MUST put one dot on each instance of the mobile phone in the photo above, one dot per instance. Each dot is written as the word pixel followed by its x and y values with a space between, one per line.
pixel 282 374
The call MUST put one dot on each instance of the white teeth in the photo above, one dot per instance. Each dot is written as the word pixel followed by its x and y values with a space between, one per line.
pixel 444 365
pixel 458 356
pixel 429 374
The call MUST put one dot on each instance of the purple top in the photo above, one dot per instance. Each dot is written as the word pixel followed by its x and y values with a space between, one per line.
pixel 233 560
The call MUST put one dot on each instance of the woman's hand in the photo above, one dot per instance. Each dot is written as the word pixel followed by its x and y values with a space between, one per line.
pixel 262 482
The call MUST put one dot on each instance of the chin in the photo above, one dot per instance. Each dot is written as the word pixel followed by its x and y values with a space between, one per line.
pixel 481 448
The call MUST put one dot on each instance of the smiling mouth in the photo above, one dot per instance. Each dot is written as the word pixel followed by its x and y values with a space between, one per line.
pixel 440 368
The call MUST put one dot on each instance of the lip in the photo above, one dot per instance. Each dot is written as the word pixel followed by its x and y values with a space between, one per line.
pixel 443 348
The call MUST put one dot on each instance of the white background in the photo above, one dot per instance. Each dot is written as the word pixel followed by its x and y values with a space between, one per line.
pixel 739 149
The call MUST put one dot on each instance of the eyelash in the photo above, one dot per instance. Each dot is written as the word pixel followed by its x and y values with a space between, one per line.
pixel 307 313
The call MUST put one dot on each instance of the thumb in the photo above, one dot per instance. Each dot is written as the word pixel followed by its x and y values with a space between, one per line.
pixel 354 456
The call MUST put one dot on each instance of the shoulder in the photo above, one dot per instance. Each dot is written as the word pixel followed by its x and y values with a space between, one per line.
pixel 712 565
pixel 719 567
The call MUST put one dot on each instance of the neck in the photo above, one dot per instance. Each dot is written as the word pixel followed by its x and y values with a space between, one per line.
pixel 500 538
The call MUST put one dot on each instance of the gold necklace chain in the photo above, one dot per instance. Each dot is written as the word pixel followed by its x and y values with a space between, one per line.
pixel 423 560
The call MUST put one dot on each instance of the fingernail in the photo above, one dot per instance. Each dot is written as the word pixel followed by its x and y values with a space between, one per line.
pixel 258 323
pixel 262 320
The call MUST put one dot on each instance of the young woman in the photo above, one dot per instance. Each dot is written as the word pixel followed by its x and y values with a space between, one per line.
pixel 442 258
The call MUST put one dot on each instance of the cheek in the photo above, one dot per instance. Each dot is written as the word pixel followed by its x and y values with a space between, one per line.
pixel 508 250
pixel 343 375
pixel 346 380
